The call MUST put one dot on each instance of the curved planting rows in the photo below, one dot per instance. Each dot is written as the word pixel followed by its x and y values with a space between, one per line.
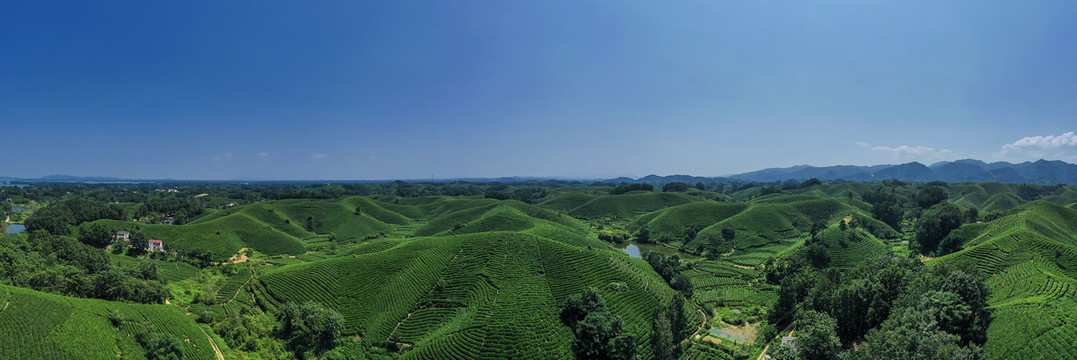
pixel 723 283
pixel 36 325
pixel 492 295
pixel 1031 282
pixel 1033 331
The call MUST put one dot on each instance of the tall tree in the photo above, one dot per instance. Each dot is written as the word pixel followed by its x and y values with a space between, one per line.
pixel 662 338
pixel 816 336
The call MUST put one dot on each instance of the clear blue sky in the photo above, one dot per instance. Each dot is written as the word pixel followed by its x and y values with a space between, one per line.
pixel 410 89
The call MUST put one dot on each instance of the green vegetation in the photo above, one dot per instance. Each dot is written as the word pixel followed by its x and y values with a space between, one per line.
pixel 35 325
pixel 401 270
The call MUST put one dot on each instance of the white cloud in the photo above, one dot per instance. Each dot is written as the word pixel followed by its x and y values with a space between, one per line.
pixel 1040 143
pixel 220 157
pixel 318 156
pixel 905 152
pixel 263 154
pixel 862 144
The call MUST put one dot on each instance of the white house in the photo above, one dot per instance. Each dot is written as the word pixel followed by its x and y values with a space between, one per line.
pixel 156 245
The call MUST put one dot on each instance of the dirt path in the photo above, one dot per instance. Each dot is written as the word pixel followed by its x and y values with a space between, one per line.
pixel 700 326
pixel 212 343
pixel 764 353
pixel 239 257
pixel 236 295
pixel 6 305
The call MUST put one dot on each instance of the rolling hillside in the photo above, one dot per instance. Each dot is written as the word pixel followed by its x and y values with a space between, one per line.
pixel 487 295
pixel 764 221
pixel 1030 260
pixel 624 206
pixel 36 325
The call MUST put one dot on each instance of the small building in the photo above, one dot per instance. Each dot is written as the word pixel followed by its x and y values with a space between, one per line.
pixel 123 235
pixel 156 245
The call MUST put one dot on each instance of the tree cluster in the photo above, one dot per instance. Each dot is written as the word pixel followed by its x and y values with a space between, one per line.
pixel 63 265
pixel 935 225
pixel 183 209
pixel 675 186
pixel 623 188
pixel 894 308
pixel 930 196
pixel 599 334
pixel 58 218
pixel 309 326
pixel 670 267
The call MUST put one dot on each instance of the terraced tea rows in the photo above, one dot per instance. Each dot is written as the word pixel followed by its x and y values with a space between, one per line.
pixel 68 328
pixel 489 295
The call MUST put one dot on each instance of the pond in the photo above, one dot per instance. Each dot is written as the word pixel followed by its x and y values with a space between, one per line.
pixel 15 228
pixel 636 250
pixel 17 208
pixel 719 333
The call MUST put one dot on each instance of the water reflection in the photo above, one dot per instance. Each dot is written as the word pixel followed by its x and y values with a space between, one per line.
pixel 636 250
pixel 15 228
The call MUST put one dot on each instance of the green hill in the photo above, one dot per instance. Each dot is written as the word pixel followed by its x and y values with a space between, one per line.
pixel 764 221
pixel 628 205
pixel 567 202
pixel 1030 260
pixel 36 325
pixel 478 295
pixel 274 227
pixel 668 225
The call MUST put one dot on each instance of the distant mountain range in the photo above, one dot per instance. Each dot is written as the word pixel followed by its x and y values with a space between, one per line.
pixel 1038 172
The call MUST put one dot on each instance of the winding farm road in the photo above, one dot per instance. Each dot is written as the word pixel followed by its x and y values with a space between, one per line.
pixel 212 343
pixel 700 326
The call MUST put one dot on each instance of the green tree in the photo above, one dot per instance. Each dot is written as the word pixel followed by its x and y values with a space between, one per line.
pixel 972 215
pixel 851 306
pixel 678 322
pixel 816 336
pixel 887 212
pixel 819 255
pixel 682 283
pixel 816 229
pixel 623 347
pixel 139 242
pixel 95 234
pixel 644 235
pixel 675 186
pixel 577 306
pixel 149 270
pixel 162 346
pixel 728 232
pixel 310 325
pixel 662 336
pixel 907 334
pixel 595 335
pixel 930 196
pixel 935 225
pixel 973 292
